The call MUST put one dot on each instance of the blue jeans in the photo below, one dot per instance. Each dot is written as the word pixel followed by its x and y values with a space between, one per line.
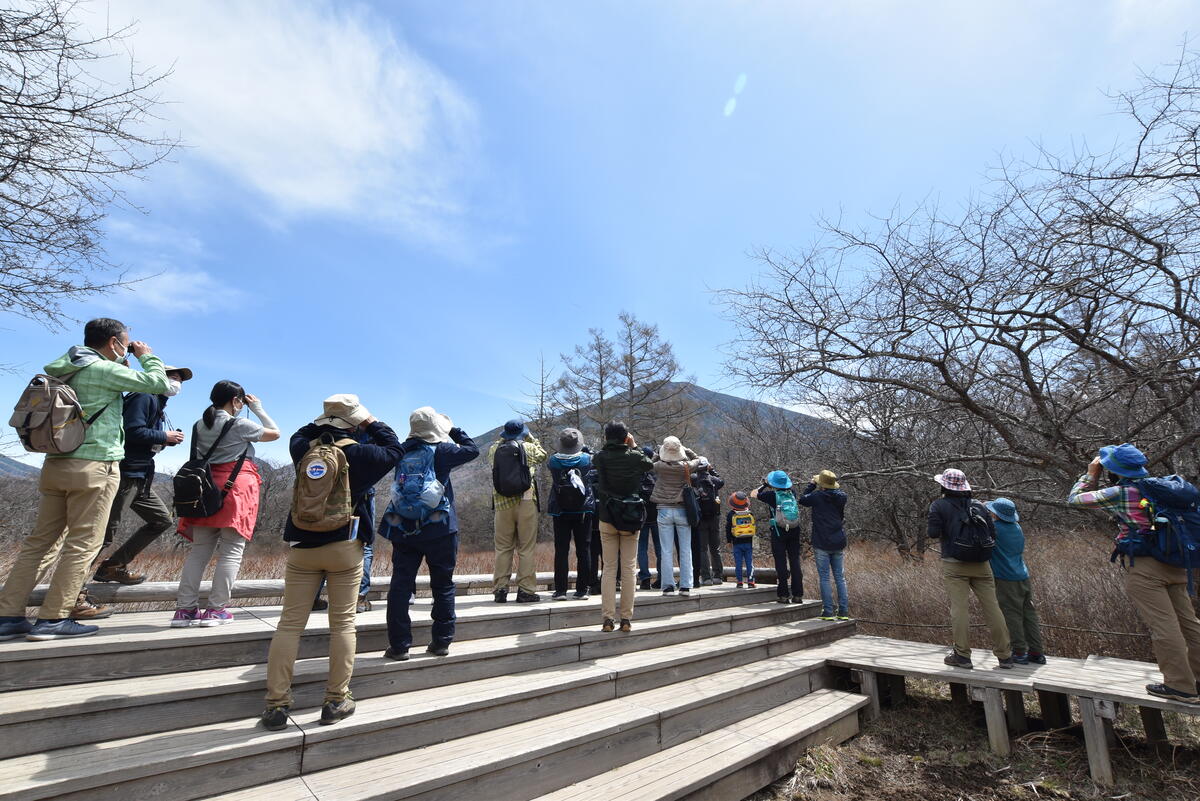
pixel 743 554
pixel 672 520
pixel 825 561
pixel 439 549
pixel 650 530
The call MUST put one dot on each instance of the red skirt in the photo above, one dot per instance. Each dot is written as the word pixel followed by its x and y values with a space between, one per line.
pixel 240 510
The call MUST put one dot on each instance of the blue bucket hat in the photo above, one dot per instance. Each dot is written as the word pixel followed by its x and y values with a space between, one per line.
pixel 1004 509
pixel 514 429
pixel 1124 460
pixel 779 479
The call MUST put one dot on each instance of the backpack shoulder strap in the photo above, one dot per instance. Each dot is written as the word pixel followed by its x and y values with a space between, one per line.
pixel 224 430
pixel 195 454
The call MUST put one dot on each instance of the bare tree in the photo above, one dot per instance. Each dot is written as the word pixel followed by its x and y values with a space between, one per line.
pixel 653 403
pixel 540 404
pixel 1058 313
pixel 68 139
pixel 591 379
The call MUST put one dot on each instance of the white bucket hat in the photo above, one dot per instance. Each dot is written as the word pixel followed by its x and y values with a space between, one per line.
pixel 429 425
pixel 343 411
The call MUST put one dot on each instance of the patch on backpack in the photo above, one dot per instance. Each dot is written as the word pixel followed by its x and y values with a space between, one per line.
pixel 317 470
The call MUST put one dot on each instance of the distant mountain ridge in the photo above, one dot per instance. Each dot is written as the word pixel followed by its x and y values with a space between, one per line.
pixel 11 468
pixel 715 411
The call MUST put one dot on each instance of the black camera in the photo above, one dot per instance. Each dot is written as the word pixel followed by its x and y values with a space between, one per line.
pixel 129 349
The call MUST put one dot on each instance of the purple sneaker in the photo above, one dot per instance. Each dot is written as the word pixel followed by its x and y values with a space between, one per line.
pixel 184 618
pixel 215 617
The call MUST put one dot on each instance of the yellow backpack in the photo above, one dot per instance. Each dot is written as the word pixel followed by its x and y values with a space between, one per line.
pixel 743 524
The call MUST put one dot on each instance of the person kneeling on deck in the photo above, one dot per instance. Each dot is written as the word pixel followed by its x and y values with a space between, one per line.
pixel 1157 526
pixel 968 536
pixel 327 527
pixel 421 523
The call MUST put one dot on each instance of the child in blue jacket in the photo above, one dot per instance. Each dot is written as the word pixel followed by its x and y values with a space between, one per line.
pixel 1013 590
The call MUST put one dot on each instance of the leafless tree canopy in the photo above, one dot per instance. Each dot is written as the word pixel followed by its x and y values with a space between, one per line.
pixel 68 137
pixel 1056 314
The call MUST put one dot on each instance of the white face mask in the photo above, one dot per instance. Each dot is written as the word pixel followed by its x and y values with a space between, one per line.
pixel 173 387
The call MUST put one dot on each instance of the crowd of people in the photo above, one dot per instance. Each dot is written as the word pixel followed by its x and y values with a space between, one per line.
pixel 613 506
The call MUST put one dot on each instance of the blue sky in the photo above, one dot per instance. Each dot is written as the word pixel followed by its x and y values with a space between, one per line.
pixel 412 200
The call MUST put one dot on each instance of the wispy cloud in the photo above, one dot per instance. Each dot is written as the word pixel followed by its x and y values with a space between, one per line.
pixel 317 109
pixel 177 291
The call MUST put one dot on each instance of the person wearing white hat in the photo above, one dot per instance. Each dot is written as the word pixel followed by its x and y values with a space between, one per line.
pixel 339 458
pixel 673 468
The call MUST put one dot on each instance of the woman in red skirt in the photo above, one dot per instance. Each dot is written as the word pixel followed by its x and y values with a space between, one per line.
pixel 228 531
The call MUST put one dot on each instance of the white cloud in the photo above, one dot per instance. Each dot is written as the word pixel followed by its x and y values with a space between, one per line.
pixel 178 291
pixel 318 109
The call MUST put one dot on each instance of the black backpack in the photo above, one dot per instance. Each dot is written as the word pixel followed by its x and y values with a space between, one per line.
pixel 570 490
pixel 196 494
pixel 510 469
pixel 971 536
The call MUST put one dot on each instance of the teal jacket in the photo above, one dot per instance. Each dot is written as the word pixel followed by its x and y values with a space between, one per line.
pixel 1007 563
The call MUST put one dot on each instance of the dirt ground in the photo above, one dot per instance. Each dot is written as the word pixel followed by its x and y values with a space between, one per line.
pixel 928 750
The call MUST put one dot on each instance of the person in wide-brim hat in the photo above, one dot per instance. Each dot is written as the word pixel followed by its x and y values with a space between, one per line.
pixel 343 411
pixel 429 425
pixel 826 479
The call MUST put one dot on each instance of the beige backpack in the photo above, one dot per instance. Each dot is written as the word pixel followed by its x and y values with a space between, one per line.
pixel 321 495
pixel 48 417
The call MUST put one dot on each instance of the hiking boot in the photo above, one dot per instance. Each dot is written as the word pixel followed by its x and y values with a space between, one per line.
pixel 656 584
pixel 12 628
pixel 184 618
pixel 581 596
pixel 797 599
pixel 644 584
pixel 954 660
pixel 595 589
pixel 608 624
pixel 333 711
pixel 214 617
pixel 119 574
pixel 558 596
pixel 718 580
pixel 363 605
pixel 1036 659
pixel 1021 658
pixel 528 597
pixel 669 589
pixel 500 596
pixel 1007 663
pixel 87 609
pixel 739 585
pixel 58 630
pixel 626 626
pixel 751 584
pixel 275 718
pixel 783 599
pixel 685 592
pixel 398 654
pixel 438 649
pixel 1163 691
pixel 320 605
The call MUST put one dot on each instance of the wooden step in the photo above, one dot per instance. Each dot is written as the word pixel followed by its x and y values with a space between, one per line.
pixel 143 644
pixel 730 763
pixel 563 706
pixel 55 717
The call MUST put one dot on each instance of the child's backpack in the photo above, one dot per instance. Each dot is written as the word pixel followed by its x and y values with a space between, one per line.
pixel 417 495
pixel 971 536
pixel 570 491
pixel 1175 537
pixel 510 469
pixel 742 525
pixel 49 418
pixel 787 511
pixel 196 493
pixel 321 493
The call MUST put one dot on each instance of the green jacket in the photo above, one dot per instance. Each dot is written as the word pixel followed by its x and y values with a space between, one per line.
pixel 99 383
pixel 619 471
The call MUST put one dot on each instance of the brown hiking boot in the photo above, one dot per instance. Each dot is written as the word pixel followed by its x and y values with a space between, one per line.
pixel 119 574
pixel 364 604
pixel 87 609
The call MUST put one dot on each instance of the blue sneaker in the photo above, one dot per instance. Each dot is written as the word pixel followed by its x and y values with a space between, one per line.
pixel 1021 659
pixel 59 630
pixel 12 628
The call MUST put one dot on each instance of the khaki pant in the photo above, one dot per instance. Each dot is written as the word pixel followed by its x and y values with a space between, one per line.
pixel 962 579
pixel 77 495
pixel 1159 593
pixel 1020 615
pixel 620 548
pixel 340 565
pixel 516 530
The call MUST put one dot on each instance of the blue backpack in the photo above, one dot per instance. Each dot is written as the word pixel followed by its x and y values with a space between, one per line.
pixel 1174 538
pixel 417 495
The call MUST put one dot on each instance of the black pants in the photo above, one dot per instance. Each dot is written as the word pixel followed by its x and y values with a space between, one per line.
pixel 568 528
pixel 439 549
pixel 148 506
pixel 786 550
pixel 714 547
pixel 596 552
pixel 704 533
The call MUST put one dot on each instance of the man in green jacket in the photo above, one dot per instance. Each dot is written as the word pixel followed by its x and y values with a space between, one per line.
pixel 77 488
pixel 620 466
